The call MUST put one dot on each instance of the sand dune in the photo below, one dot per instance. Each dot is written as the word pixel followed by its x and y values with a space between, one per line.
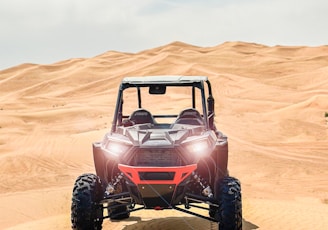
pixel 270 101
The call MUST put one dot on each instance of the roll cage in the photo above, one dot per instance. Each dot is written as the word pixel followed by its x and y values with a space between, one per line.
pixel 157 85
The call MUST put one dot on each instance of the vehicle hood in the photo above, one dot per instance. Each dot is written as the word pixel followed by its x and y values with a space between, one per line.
pixel 162 137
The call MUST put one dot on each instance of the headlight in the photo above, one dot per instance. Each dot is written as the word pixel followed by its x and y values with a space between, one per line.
pixel 199 148
pixel 116 148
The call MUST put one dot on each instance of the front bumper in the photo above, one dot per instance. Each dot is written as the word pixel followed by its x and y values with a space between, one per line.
pixel 158 186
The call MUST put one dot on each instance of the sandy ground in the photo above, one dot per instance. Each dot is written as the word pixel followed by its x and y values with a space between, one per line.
pixel 270 101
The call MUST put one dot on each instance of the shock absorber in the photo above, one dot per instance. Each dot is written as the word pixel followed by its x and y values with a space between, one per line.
pixel 206 190
pixel 110 189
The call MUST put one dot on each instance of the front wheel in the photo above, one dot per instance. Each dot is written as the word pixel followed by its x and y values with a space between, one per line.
pixel 86 212
pixel 229 213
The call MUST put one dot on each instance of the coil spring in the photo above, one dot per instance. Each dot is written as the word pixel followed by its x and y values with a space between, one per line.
pixel 205 188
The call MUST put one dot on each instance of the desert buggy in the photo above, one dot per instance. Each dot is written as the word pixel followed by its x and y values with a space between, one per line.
pixel 160 159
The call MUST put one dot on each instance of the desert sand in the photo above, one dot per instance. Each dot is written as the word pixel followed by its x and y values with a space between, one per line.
pixel 270 102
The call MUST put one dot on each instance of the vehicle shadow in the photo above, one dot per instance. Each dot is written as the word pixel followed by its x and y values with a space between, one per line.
pixel 183 223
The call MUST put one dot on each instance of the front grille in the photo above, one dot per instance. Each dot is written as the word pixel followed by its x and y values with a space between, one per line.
pixel 157 157
pixel 156 175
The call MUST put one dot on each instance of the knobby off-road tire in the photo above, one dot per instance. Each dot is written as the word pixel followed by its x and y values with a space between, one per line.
pixel 229 214
pixel 86 213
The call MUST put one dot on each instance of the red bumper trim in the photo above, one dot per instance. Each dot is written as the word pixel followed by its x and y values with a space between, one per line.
pixel 181 173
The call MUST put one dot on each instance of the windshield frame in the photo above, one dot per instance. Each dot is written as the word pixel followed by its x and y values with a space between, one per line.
pixel 138 84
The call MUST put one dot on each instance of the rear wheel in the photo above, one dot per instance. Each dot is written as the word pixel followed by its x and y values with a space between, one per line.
pixel 86 212
pixel 229 213
pixel 118 213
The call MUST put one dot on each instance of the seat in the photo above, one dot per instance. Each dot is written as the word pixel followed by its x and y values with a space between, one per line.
pixel 190 113
pixel 141 116
pixel 190 116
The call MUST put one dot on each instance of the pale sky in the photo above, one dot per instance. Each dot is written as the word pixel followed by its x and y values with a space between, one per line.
pixel 48 31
